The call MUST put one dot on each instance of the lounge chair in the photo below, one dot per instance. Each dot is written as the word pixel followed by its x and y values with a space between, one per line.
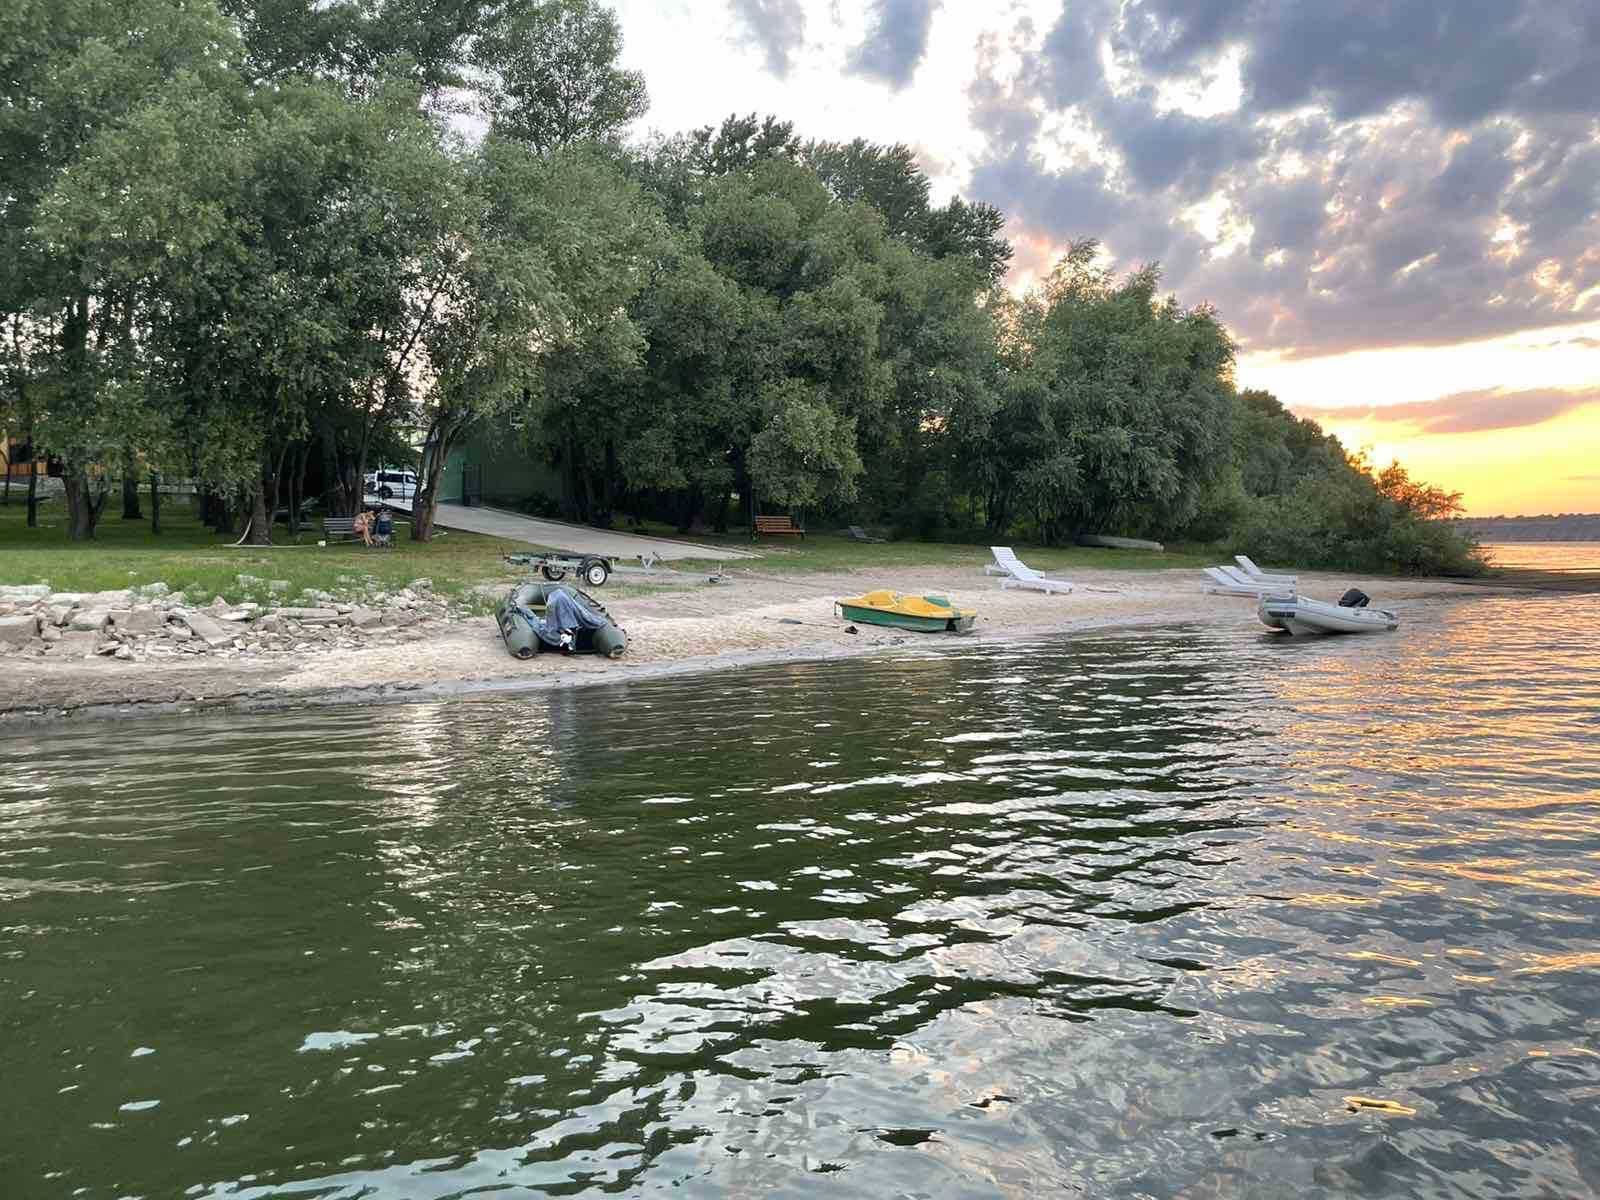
pixel 1019 574
pixel 993 567
pixel 1229 581
pixel 1251 571
pixel 858 534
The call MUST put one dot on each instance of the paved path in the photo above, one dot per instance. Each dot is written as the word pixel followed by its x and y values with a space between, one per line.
pixel 557 535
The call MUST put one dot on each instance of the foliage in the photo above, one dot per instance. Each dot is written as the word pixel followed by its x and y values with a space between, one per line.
pixel 552 73
pixel 245 244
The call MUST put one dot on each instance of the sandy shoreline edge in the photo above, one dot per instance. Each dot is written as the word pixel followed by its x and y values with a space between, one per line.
pixel 691 630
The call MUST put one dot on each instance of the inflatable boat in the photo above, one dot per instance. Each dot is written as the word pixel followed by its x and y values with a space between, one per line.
pixel 1301 615
pixel 548 616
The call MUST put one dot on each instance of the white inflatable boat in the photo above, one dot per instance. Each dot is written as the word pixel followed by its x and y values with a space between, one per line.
pixel 1299 615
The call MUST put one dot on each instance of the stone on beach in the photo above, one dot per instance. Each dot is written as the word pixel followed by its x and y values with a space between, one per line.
pixel 91 619
pixel 205 628
pixel 17 631
pixel 310 616
pixel 138 620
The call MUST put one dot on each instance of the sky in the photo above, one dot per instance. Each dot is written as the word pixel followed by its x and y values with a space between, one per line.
pixel 1394 205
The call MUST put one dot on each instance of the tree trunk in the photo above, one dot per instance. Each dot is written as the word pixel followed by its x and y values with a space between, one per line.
pixel 130 489
pixel 425 500
pixel 260 520
pixel 33 495
pixel 83 504
pixel 221 515
pixel 155 503
pixel 297 487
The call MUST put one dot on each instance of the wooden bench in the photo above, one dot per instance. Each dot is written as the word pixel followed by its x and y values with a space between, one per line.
pixel 343 529
pixel 775 525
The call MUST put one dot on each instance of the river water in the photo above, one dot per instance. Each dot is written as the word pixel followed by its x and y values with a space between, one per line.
pixel 1185 912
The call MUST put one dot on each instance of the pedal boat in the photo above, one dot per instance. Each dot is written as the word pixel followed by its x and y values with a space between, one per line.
pixel 925 614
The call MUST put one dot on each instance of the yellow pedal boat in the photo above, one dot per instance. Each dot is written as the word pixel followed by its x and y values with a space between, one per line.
pixel 927 614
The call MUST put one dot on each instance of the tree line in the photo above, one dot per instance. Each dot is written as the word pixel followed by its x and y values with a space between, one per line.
pixel 263 243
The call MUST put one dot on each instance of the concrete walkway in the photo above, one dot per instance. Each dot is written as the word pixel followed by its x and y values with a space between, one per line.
pixel 558 535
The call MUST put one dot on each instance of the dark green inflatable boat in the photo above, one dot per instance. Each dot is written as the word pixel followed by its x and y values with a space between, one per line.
pixel 549 616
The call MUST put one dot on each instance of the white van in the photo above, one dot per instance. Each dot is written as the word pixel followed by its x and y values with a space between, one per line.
pixel 392 483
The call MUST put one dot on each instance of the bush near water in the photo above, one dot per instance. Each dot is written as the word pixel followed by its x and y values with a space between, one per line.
pixel 245 245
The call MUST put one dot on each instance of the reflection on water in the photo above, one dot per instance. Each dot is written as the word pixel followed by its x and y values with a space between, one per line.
pixel 1186 913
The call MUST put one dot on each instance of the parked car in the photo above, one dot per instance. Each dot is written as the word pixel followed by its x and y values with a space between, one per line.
pixel 392 483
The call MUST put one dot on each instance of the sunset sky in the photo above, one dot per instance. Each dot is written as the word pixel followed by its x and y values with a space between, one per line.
pixel 1394 206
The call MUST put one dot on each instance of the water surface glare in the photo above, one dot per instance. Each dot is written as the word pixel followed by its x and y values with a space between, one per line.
pixel 1190 912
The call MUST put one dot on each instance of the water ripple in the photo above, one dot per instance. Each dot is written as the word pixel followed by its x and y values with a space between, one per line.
pixel 1187 913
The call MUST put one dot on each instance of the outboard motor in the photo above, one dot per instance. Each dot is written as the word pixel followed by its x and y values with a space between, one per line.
pixel 1354 598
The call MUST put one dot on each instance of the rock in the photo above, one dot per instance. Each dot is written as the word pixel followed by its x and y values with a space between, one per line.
pixel 108 648
pixel 114 599
pixel 24 591
pixel 124 653
pixel 277 585
pixel 138 620
pixel 245 612
pixel 16 631
pixel 270 624
pixel 179 633
pixel 92 619
pixel 218 604
pixel 151 591
pixel 203 627
pixel 398 618
pixel 70 599
pixel 246 581
pixel 49 635
pixel 365 618
pixel 59 614
pixel 79 644
pixel 310 616
pixel 420 585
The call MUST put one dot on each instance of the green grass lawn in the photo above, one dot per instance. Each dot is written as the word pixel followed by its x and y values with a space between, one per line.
pixel 187 556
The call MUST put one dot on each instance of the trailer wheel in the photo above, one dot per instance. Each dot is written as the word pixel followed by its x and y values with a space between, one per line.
pixel 552 572
pixel 596 571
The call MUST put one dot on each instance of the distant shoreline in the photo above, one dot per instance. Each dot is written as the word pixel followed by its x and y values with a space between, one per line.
pixel 1576 527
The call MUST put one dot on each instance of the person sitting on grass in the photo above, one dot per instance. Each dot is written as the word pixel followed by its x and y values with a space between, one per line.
pixel 362 525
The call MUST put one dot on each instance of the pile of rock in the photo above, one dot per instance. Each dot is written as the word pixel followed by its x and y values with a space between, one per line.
pixel 152 623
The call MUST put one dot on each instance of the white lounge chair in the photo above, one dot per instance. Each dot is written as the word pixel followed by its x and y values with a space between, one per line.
pixel 1251 571
pixel 993 567
pixel 1229 582
pixel 1019 574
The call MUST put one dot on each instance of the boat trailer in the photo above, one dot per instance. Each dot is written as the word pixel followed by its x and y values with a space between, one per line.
pixel 556 565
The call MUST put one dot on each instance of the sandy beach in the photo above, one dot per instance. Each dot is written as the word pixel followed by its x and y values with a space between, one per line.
pixel 676 624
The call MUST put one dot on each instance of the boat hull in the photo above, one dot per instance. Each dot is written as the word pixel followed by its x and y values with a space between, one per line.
pixel 1303 617
pixel 923 614
pixel 877 616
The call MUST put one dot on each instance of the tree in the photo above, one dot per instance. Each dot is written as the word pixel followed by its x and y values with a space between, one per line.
pixel 556 250
pixel 1420 499
pixel 70 76
pixel 805 453
pixel 551 73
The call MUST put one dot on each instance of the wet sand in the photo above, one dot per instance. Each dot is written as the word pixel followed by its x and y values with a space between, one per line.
pixel 678 624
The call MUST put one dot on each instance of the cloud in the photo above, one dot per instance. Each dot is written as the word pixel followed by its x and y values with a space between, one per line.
pixel 1466 412
pixel 896 41
pixel 1419 173
pixel 777 27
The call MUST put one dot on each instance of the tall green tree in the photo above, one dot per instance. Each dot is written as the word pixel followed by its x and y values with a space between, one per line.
pixel 550 73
